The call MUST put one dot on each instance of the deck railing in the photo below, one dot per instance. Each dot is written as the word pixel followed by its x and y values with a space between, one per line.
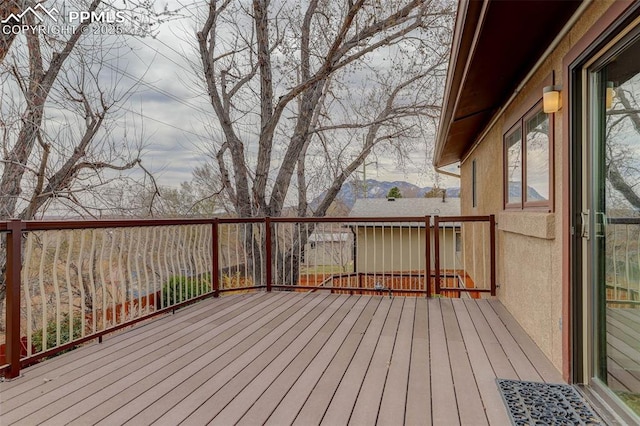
pixel 68 282
pixel 622 261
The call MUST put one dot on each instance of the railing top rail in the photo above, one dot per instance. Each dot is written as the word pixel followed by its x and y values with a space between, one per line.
pixel 463 218
pixel 42 225
pixel 37 225
pixel 420 219
pixel 623 220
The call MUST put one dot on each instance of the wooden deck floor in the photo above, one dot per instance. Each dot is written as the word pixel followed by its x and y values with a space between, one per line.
pixel 289 358
pixel 623 349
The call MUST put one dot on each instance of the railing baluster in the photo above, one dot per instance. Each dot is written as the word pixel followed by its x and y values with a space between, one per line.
pixel 27 292
pixel 83 298
pixel 43 309
pixel 70 296
pixel 56 289
pixel 92 283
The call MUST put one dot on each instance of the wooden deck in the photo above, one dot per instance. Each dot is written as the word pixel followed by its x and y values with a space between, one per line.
pixel 623 349
pixel 289 358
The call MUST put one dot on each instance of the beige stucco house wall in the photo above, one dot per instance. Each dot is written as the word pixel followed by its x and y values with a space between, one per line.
pixel 395 249
pixel 400 246
pixel 529 243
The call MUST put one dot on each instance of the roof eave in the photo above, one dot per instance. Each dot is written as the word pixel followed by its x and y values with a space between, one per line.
pixel 467 17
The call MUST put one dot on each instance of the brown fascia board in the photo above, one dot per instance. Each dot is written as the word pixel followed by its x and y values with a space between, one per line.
pixel 468 17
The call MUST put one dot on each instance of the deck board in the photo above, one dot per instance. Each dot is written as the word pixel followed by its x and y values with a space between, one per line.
pixel 94 353
pixel 623 348
pixel 95 380
pixel 516 354
pixel 305 370
pixel 341 406
pixel 533 353
pixel 312 408
pixel 480 364
pixel 146 391
pixel 418 405
pixel 287 366
pixel 203 382
pixel 444 408
pixel 498 358
pixel 468 399
pixel 290 358
pixel 367 406
pixel 393 404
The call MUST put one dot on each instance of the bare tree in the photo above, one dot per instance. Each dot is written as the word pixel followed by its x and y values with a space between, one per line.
pixel 60 109
pixel 331 79
pixel 8 8
pixel 60 103
pixel 622 171
pixel 199 197
pixel 304 92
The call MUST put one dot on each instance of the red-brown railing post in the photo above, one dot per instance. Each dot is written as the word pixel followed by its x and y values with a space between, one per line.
pixel 427 260
pixel 14 268
pixel 436 249
pixel 268 252
pixel 492 241
pixel 215 260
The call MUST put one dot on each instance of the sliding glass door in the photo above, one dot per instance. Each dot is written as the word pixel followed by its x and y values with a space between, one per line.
pixel 612 205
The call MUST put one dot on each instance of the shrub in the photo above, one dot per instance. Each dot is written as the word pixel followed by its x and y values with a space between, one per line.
pixel 51 332
pixel 181 288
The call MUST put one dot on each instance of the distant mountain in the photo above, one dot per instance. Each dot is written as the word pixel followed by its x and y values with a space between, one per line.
pixel 515 189
pixel 379 189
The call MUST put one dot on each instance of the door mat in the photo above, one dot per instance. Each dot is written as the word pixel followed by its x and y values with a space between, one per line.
pixel 531 403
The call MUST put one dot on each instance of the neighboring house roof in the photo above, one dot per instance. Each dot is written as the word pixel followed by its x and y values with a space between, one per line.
pixel 405 207
pixel 495 45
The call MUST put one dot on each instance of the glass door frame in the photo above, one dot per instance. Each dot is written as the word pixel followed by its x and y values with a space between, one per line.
pixel 588 313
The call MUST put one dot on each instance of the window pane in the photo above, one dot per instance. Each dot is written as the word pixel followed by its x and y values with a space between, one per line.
pixel 514 166
pixel 537 137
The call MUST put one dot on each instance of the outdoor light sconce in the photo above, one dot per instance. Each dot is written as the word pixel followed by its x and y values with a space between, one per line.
pixel 611 93
pixel 551 99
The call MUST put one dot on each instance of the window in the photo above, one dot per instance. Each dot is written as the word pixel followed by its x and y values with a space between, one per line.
pixel 527 162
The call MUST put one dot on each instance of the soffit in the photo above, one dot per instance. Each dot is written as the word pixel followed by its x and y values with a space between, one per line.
pixel 496 43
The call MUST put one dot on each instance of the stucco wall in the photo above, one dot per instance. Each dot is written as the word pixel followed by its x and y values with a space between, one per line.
pixel 529 244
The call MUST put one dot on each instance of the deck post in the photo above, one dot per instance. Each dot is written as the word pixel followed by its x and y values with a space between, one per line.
pixel 436 248
pixel 427 251
pixel 492 242
pixel 12 307
pixel 215 259
pixel 268 251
